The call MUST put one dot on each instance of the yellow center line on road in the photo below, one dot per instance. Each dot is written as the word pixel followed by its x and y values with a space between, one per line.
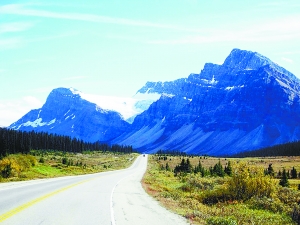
pixel 16 210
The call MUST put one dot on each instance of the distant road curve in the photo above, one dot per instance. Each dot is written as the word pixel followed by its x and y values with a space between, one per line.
pixel 108 198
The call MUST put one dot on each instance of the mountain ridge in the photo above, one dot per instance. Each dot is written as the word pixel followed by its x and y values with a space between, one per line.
pixel 248 102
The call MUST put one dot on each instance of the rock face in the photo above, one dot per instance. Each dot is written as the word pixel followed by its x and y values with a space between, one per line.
pixel 66 113
pixel 246 103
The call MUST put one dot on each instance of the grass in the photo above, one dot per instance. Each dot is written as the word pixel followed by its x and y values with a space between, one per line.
pixel 187 194
pixel 54 164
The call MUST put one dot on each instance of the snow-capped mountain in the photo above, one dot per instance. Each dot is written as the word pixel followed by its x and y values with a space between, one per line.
pixel 66 113
pixel 246 103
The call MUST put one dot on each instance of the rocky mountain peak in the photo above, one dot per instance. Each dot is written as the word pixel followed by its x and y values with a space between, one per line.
pixel 245 60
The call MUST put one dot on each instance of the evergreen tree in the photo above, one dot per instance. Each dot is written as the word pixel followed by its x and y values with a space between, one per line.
pixel 279 174
pixel 270 170
pixel 294 173
pixel 218 170
pixel 188 166
pixel 228 169
pixel 284 182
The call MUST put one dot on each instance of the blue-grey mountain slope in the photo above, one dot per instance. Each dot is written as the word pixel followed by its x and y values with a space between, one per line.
pixel 246 103
pixel 66 113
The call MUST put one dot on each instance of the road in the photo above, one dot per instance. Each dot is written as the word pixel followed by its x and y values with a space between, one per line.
pixel 108 198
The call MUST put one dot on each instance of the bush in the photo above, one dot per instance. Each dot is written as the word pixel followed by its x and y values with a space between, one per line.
pixel 215 196
pixel 221 221
pixel 6 171
pixel 12 165
pixel 271 204
pixel 31 159
pixel 64 160
pixel 249 181
pixel 42 160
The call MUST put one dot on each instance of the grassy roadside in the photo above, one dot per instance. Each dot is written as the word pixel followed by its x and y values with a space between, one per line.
pixel 46 164
pixel 208 200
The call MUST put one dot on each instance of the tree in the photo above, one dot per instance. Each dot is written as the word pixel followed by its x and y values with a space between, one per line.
pixel 270 170
pixel 284 182
pixel 218 170
pixel 228 169
pixel 294 173
pixel 185 167
pixel 199 169
pixel 168 167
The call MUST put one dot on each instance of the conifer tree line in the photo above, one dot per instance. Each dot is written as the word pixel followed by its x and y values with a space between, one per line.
pixel 289 174
pixel 217 170
pixel 185 167
pixel 12 142
pixel 287 149
pixel 171 153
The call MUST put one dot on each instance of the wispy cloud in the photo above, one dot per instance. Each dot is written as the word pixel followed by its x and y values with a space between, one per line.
pixel 8 43
pixel 75 78
pixel 287 60
pixel 15 26
pixel 279 30
pixel 20 9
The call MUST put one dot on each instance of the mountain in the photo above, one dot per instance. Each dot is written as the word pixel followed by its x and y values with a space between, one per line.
pixel 66 113
pixel 248 102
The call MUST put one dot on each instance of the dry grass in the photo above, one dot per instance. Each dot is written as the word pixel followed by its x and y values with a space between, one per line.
pixel 278 163
pixel 50 164
pixel 176 193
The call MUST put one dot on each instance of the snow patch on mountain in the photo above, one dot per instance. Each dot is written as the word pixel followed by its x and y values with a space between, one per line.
pixel 126 106
pixel 37 123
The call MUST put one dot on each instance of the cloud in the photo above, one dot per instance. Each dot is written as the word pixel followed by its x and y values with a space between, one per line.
pixel 11 43
pixel 15 27
pixel 75 78
pixel 287 60
pixel 283 29
pixel 19 9
pixel 13 109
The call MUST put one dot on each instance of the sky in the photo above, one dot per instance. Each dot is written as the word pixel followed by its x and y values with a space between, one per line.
pixel 113 47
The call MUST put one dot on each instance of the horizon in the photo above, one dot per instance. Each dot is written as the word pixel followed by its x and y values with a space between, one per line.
pixel 113 48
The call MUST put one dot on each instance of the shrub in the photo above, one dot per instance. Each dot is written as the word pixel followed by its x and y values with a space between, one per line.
pixel 288 196
pixel 271 204
pixel 64 160
pixel 42 160
pixel 31 159
pixel 215 196
pixel 6 171
pixel 221 221
pixel 12 165
pixel 249 181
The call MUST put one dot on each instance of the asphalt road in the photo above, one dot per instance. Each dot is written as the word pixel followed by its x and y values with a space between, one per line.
pixel 108 198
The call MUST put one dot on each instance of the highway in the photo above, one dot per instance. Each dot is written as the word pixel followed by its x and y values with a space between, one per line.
pixel 108 198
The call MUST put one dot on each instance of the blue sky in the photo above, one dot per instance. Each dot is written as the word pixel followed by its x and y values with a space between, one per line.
pixel 113 47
